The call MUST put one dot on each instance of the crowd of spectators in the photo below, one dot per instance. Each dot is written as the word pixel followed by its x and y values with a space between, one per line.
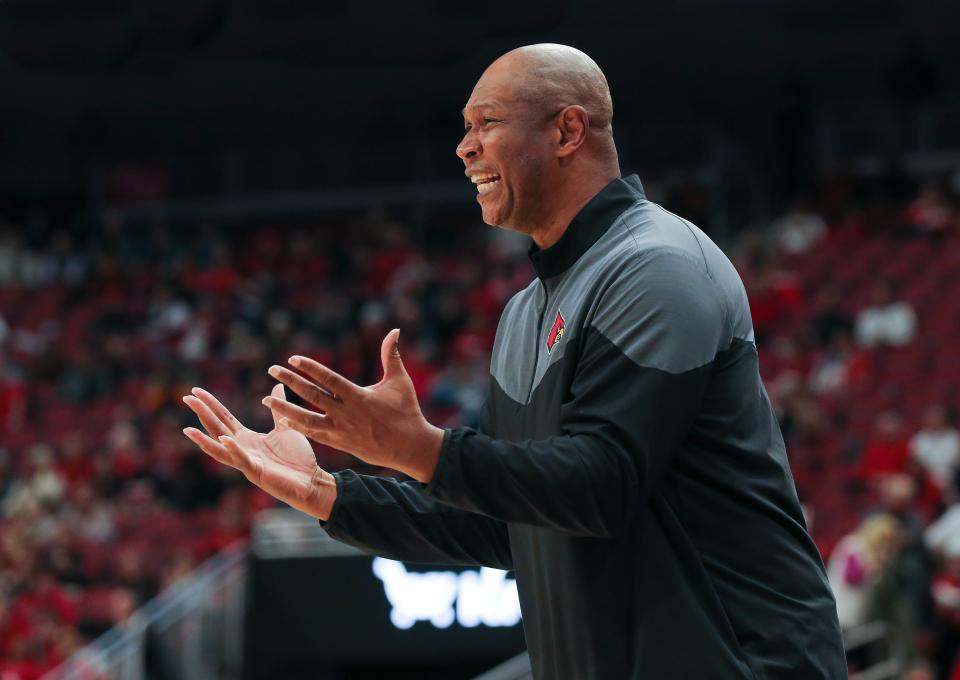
pixel 103 501
pixel 103 327
pixel 855 300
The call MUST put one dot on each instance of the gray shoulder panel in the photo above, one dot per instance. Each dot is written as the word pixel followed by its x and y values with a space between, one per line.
pixel 653 284
pixel 662 311
pixel 721 271
pixel 646 232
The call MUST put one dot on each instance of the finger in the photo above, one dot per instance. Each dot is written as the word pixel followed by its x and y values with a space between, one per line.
pixel 321 435
pixel 232 424
pixel 390 354
pixel 300 419
pixel 209 421
pixel 277 393
pixel 244 462
pixel 312 392
pixel 209 446
pixel 331 381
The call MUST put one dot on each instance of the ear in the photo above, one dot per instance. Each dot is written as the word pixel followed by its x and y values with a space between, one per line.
pixel 573 124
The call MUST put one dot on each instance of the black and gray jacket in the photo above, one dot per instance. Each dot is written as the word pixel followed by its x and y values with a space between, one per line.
pixel 628 468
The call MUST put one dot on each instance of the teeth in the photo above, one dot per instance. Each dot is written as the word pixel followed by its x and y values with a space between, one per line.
pixel 484 187
pixel 478 179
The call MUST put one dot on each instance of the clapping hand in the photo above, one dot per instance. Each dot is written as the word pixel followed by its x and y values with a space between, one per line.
pixel 381 424
pixel 281 462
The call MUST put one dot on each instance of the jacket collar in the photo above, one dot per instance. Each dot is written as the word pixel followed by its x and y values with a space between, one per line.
pixel 590 224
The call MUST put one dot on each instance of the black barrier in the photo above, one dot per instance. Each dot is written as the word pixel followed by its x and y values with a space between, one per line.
pixel 326 616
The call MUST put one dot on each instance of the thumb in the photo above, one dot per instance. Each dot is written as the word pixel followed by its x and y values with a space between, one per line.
pixel 277 393
pixel 390 355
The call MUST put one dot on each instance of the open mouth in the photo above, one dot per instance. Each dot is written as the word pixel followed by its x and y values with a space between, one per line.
pixel 485 182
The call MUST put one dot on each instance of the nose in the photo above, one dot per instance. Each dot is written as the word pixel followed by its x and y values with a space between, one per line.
pixel 469 148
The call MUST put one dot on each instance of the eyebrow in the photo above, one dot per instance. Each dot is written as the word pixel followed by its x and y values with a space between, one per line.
pixel 481 106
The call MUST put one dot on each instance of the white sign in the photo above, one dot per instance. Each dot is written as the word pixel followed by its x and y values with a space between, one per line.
pixel 472 598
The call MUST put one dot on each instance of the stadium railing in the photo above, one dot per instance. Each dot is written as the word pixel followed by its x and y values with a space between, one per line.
pixel 194 629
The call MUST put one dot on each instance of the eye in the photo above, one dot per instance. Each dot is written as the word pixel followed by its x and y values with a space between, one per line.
pixel 483 121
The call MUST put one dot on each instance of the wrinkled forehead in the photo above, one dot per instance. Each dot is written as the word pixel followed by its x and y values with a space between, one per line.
pixel 498 88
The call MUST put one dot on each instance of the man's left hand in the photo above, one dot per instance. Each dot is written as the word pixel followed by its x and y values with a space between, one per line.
pixel 381 424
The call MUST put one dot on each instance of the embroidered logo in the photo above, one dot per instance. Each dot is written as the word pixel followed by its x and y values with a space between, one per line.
pixel 556 332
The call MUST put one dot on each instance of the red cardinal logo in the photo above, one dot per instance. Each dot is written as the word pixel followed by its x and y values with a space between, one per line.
pixel 556 332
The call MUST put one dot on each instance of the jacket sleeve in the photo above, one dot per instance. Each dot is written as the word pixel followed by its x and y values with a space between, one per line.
pixel 644 360
pixel 397 520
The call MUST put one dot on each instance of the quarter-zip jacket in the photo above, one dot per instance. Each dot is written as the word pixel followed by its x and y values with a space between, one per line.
pixel 628 467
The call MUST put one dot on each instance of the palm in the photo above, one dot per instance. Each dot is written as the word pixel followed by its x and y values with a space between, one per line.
pixel 281 462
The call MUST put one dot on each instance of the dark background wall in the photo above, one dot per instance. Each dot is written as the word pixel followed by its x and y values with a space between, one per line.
pixel 267 95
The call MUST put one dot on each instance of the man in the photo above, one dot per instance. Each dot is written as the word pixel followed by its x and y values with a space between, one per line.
pixel 629 467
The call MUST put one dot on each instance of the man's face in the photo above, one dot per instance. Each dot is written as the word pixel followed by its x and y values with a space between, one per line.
pixel 506 151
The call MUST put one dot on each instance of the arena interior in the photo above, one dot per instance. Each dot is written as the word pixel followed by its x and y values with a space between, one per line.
pixel 191 192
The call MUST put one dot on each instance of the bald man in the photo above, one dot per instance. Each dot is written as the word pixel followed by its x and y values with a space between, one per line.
pixel 628 465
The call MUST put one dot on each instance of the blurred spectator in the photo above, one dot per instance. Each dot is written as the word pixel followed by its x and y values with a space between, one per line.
pixel 7 478
pixel 831 318
pixel 908 498
pixel 799 229
pixel 802 417
pixel 17 664
pixel 12 395
pixel 67 263
pixel 130 570
pixel 856 565
pixel 169 311
pixel 897 599
pixel 88 377
pixel 942 537
pixel 88 517
pixel 458 389
pixel 842 364
pixel 37 618
pixel 786 361
pixel 773 294
pixel 13 258
pixel 43 595
pixel 936 448
pixel 180 566
pixel 40 485
pixel 929 212
pixel 197 484
pixel 75 463
pixel 886 452
pixel 887 321
pixel 109 607
pixel 920 670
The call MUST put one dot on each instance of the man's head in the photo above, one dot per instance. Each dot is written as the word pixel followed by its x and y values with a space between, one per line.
pixel 538 130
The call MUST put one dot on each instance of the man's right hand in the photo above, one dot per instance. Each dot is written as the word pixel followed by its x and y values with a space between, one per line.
pixel 281 462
